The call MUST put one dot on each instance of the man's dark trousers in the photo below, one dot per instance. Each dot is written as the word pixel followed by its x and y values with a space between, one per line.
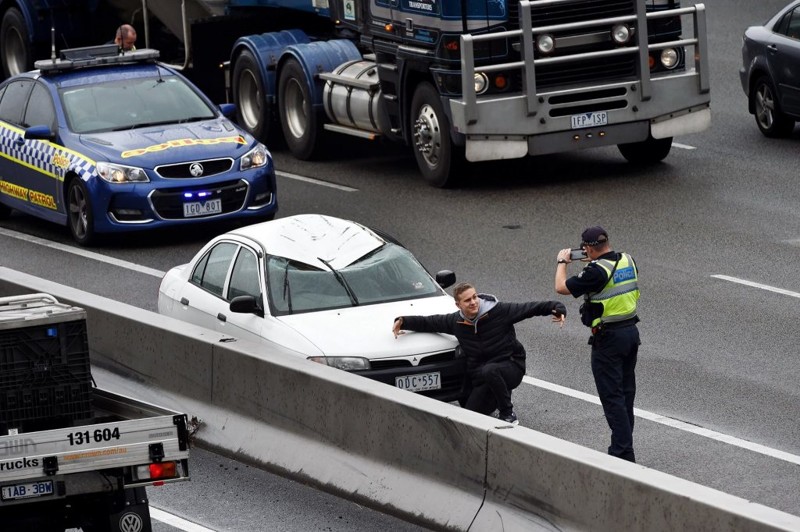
pixel 492 384
pixel 614 353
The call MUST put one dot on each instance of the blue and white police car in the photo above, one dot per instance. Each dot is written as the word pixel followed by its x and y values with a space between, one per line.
pixel 106 142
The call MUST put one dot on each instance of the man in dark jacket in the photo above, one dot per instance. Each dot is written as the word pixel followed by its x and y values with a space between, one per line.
pixel 485 331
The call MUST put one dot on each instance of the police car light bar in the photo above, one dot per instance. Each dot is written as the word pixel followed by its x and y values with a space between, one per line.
pixel 106 54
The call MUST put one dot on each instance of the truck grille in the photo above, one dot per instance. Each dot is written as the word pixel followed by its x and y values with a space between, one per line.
pixel 577 11
pixel 591 71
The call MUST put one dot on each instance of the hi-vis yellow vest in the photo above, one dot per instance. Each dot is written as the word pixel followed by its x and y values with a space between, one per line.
pixel 621 292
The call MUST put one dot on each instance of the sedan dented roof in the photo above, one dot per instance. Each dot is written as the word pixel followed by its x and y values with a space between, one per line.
pixel 310 237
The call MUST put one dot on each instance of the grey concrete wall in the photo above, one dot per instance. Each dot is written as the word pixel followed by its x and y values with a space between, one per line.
pixel 426 461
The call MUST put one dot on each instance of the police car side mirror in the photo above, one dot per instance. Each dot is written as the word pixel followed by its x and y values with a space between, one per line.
pixel 445 278
pixel 39 133
pixel 228 110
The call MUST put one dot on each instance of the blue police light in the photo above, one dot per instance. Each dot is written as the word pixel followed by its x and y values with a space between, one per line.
pixel 188 195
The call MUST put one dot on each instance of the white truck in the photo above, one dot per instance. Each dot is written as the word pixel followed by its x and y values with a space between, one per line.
pixel 73 455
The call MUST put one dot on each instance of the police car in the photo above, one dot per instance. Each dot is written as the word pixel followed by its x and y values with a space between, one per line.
pixel 106 142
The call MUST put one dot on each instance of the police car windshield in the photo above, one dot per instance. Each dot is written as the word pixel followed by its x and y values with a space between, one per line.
pixel 131 103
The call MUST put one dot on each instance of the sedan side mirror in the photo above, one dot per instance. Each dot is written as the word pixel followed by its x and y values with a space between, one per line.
pixel 246 305
pixel 446 278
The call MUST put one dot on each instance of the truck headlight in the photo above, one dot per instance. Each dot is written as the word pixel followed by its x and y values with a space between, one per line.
pixel 255 158
pixel 621 33
pixel 481 82
pixel 669 58
pixel 344 363
pixel 545 43
pixel 118 173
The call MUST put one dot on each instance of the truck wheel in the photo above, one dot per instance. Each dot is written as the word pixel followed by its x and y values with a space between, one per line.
pixel 252 111
pixel 438 159
pixel 648 151
pixel 769 117
pixel 300 123
pixel 79 211
pixel 15 49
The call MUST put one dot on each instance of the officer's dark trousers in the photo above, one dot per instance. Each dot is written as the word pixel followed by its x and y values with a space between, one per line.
pixel 614 353
pixel 492 384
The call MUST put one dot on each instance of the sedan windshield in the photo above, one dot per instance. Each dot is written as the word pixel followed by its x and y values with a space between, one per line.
pixel 131 103
pixel 390 273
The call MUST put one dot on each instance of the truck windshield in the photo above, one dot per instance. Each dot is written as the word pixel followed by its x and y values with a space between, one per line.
pixel 390 273
pixel 131 103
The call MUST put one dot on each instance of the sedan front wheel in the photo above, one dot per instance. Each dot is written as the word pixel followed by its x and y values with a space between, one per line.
pixel 769 117
pixel 79 210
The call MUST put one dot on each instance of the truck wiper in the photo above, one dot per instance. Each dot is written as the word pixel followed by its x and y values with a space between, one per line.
pixel 338 276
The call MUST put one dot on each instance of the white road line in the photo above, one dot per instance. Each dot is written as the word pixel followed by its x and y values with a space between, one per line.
pixel 177 522
pixel 683 146
pixel 757 285
pixel 83 253
pixel 671 422
pixel 315 181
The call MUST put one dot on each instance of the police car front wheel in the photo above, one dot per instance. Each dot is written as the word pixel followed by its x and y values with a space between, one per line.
pixel 81 223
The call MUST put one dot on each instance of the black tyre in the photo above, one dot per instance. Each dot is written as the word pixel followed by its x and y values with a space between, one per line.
pixel 301 124
pixel 79 211
pixel 438 159
pixel 252 111
pixel 15 50
pixel 5 211
pixel 648 151
pixel 769 117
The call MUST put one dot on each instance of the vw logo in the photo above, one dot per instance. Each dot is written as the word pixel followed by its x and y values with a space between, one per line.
pixel 131 522
pixel 196 169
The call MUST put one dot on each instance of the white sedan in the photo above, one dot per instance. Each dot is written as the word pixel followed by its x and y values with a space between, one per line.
pixel 327 289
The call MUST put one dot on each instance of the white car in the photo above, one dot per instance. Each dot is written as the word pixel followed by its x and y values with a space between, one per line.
pixel 327 289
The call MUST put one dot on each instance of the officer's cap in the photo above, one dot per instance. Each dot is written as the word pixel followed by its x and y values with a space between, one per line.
pixel 592 236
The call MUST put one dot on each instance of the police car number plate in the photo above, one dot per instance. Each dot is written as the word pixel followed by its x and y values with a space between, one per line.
pixel 419 382
pixel 201 208
pixel 24 491
pixel 597 118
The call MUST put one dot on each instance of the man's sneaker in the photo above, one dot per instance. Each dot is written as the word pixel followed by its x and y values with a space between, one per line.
pixel 510 418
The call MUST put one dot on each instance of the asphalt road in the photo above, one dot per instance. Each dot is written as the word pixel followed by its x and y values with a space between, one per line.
pixel 718 370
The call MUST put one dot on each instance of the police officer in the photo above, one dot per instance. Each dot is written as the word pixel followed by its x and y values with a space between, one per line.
pixel 610 290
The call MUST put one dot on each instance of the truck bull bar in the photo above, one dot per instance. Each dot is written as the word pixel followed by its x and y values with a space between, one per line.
pixel 527 32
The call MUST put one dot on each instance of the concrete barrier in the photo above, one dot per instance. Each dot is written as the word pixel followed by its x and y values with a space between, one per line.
pixel 426 461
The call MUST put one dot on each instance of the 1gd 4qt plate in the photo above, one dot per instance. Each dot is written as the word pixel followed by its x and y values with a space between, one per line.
pixel 597 118
pixel 420 382
pixel 24 491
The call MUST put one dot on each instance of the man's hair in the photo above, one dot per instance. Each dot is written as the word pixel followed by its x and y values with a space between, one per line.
pixel 460 289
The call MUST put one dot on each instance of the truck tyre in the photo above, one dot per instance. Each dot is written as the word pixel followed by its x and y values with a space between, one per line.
pixel 79 212
pixel 252 111
pixel 300 122
pixel 438 159
pixel 648 151
pixel 769 117
pixel 15 49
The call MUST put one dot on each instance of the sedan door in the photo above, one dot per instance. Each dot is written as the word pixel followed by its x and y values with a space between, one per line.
pixel 200 300
pixel 783 54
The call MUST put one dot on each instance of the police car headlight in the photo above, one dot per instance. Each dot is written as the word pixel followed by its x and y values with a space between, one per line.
pixel 344 363
pixel 118 173
pixel 255 158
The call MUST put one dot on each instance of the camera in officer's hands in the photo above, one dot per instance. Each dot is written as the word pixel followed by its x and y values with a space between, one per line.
pixel 577 254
